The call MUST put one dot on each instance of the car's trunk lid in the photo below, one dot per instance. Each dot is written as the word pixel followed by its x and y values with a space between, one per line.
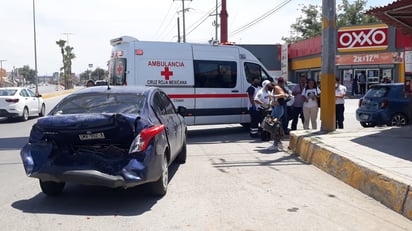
pixel 89 129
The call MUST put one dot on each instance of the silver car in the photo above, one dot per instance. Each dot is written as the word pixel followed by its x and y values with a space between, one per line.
pixel 21 103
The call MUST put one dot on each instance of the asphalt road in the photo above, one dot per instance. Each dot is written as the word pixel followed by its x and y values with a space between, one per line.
pixel 230 182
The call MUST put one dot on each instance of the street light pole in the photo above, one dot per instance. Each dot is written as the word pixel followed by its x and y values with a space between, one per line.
pixel 35 49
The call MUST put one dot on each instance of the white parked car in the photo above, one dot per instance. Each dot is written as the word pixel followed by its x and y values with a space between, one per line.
pixel 20 102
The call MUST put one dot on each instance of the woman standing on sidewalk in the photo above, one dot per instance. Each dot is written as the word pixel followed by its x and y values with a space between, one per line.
pixel 310 105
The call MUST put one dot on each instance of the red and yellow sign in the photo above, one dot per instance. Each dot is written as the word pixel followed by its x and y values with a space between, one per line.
pixel 363 38
pixel 377 58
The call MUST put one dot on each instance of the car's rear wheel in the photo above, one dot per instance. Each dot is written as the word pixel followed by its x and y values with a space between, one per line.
pixel 181 158
pixel 159 188
pixel 25 115
pixel 42 110
pixel 51 188
pixel 398 119
pixel 367 124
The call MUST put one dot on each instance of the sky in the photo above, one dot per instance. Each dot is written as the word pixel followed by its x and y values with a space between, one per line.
pixel 89 25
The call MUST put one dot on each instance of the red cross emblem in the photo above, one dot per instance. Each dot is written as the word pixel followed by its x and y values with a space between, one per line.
pixel 166 73
pixel 119 69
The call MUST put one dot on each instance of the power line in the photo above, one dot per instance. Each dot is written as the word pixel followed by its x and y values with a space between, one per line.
pixel 259 19
pixel 164 19
pixel 203 19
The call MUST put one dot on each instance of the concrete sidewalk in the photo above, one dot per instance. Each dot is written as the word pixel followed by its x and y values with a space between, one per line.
pixel 376 161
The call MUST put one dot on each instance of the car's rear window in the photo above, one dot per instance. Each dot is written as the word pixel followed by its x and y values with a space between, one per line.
pixel 100 103
pixel 378 91
pixel 7 92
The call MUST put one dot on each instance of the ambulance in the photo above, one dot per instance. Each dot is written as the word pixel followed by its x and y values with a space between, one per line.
pixel 209 80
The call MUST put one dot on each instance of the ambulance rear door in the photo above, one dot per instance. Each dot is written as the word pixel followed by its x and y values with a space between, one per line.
pixel 218 93
pixel 170 67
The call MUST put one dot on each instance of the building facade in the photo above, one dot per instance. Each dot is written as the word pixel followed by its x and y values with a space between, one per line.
pixel 366 54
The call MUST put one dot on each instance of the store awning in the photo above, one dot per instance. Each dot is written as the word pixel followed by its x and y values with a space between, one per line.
pixel 397 14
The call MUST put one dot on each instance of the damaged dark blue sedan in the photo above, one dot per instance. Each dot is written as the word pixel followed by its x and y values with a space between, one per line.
pixel 107 136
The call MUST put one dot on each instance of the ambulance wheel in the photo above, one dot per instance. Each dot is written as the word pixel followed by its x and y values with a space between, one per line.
pixel 246 125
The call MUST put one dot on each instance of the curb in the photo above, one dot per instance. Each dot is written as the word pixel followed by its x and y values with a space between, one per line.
pixel 375 182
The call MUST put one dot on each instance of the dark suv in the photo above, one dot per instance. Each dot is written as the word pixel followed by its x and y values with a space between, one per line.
pixel 385 104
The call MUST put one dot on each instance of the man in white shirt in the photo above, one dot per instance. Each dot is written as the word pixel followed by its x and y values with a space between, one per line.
pixel 340 92
pixel 262 100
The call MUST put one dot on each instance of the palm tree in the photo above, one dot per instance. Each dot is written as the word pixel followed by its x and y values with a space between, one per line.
pixel 61 44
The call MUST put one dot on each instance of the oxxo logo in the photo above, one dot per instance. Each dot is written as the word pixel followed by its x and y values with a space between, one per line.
pixel 363 38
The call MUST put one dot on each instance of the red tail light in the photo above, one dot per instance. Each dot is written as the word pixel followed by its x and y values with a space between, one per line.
pixel 12 100
pixel 384 104
pixel 141 142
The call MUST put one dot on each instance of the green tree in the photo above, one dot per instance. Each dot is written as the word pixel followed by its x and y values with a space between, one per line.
pixel 28 74
pixel 97 74
pixel 309 25
pixel 353 14
pixel 67 56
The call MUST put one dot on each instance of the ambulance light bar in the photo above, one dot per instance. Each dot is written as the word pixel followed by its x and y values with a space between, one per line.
pixel 123 39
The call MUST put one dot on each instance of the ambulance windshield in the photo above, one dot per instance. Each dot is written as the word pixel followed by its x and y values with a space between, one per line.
pixel 117 70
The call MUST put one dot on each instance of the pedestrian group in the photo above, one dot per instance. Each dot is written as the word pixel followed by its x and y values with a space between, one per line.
pixel 270 113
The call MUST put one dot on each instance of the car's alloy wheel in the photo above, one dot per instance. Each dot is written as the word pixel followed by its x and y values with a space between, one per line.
pixel 51 188
pixel 398 120
pixel 25 115
pixel 42 110
pixel 367 124
pixel 159 188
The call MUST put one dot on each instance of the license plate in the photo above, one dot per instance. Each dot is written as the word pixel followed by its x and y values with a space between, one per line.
pixel 92 136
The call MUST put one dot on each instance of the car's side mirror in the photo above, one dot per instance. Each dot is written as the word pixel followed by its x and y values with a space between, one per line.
pixel 181 110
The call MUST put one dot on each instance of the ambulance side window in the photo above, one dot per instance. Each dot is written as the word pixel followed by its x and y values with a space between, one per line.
pixel 253 69
pixel 215 74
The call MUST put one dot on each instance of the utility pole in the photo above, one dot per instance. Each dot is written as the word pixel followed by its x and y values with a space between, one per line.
pixel 328 78
pixel 35 49
pixel 178 29
pixel 215 23
pixel 184 21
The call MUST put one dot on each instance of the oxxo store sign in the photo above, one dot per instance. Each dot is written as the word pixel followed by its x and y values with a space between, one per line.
pixel 363 38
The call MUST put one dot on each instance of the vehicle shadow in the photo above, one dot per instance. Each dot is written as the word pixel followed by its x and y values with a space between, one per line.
pixel 220 134
pixel 395 141
pixel 94 200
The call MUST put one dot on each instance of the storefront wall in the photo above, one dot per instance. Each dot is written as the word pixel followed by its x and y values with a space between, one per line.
pixel 367 51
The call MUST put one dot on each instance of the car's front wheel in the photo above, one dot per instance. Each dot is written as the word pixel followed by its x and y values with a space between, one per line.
pixel 159 188
pixel 367 124
pixel 398 119
pixel 51 188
